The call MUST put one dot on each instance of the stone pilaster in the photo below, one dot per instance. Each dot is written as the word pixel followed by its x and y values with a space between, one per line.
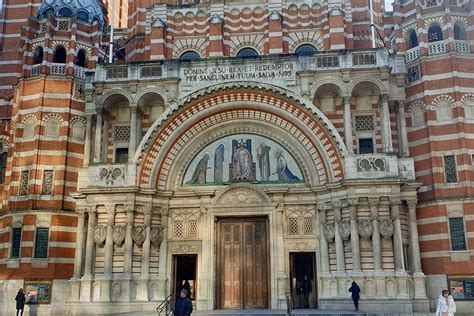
pixel 88 141
pixel 132 146
pixel 376 244
pixel 98 136
pixel 402 130
pixel 354 236
pixel 162 265
pixel 86 280
pixel 386 127
pixel 340 262
pixel 348 125
pixel 142 293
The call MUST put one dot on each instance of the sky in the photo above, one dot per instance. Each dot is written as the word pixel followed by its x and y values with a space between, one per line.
pixel 388 5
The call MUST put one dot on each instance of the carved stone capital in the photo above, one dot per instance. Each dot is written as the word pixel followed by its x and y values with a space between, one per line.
pixel 129 208
pixel 139 234
pixel 344 227
pixel 110 208
pixel 374 201
pixel 353 201
pixel 81 211
pixel 146 209
pixel 164 211
pixel 118 234
pixel 337 204
pixel 328 231
pixel 156 235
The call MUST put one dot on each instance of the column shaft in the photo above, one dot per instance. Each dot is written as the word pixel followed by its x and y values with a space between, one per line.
pixel 402 129
pixel 133 133
pixel 340 264
pixel 90 246
pixel 146 247
pixel 323 244
pixel 355 240
pixel 386 128
pixel 415 246
pixel 109 243
pixel 348 125
pixel 376 245
pixel 98 137
pixel 88 142
pixel 128 244
pixel 79 244
pixel 397 237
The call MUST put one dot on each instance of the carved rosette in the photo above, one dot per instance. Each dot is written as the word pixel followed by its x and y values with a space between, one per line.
pixel 386 228
pixel 329 231
pixel 100 233
pixel 139 234
pixel 156 235
pixel 365 228
pixel 118 234
pixel 345 229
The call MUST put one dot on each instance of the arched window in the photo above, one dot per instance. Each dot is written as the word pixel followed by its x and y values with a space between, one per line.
pixel 59 55
pixel 458 32
pixel 306 50
pixel 52 128
pixel 81 58
pixel 435 34
pixel 189 55
pixel 247 53
pixel 413 39
pixel 83 16
pixel 29 129
pixel 65 12
pixel 444 112
pixel 38 55
pixel 417 116
pixel 46 13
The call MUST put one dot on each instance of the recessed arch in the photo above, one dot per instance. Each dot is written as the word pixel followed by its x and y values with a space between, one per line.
pixel 59 55
pixel 375 85
pixel 115 96
pixel 195 115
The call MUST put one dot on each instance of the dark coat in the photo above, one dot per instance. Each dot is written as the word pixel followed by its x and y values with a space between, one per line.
pixel 355 290
pixel 20 300
pixel 184 307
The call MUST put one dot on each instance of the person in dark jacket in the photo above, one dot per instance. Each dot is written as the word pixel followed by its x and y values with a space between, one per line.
pixel 20 302
pixel 183 307
pixel 304 290
pixel 355 290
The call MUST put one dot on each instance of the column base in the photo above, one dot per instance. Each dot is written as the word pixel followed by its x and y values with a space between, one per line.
pixel 142 290
pixel 86 289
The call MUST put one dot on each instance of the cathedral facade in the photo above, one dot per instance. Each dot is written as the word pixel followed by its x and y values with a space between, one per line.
pixel 234 149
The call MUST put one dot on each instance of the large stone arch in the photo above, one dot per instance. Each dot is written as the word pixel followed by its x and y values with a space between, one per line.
pixel 195 114
pixel 369 81
pixel 116 93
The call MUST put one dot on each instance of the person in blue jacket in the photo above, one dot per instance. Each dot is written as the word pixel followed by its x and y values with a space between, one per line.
pixel 355 290
pixel 183 307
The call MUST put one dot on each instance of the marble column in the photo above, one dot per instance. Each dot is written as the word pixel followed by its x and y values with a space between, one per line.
pixel 106 279
pixel 402 130
pixel 354 236
pixel 348 125
pixel 397 235
pixel 127 255
pixel 142 294
pixel 105 136
pixel 88 141
pixel 340 262
pixel 282 277
pixel 87 279
pixel 386 127
pixel 323 243
pixel 98 136
pixel 163 263
pixel 376 244
pixel 414 245
pixel 133 133
pixel 81 213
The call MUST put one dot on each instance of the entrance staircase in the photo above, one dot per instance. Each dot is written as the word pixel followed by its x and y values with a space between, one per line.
pixel 302 312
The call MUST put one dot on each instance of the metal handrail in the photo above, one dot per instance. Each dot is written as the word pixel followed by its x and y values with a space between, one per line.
pixel 289 304
pixel 167 306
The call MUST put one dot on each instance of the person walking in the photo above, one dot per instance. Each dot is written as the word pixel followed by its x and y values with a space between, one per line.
pixel 304 289
pixel 355 294
pixel 184 306
pixel 446 305
pixel 20 302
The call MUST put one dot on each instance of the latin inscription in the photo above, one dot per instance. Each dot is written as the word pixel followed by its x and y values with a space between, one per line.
pixel 239 72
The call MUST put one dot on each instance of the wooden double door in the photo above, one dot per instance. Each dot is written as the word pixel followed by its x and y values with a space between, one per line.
pixel 242 263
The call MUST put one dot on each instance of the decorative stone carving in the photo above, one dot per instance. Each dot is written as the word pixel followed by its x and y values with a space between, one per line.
pixel 156 235
pixel 187 248
pixel 118 234
pixel 111 176
pixel 371 164
pixel 344 229
pixel 100 233
pixel 139 234
pixel 329 231
pixel 241 196
pixel 301 246
pixel 365 228
pixel 386 228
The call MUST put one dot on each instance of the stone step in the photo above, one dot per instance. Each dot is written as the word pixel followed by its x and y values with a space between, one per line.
pixel 303 312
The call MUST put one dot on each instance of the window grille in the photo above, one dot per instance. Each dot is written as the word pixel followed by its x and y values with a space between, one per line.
pixel 63 25
pixel 413 73
pixel 431 3
pixel 364 59
pixel 178 229
pixel 24 178
pixel 117 72
pixel 364 123
pixel 3 166
pixel 327 61
pixel 458 238
pixel 247 53
pixel 189 55
pixel 121 133
pixel 306 50
pixel 293 226
pixel 41 242
pixel 450 169
pixel 79 92
pixel 308 225
pixel 151 71
pixel 16 243
pixel 48 182
pixel 192 229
